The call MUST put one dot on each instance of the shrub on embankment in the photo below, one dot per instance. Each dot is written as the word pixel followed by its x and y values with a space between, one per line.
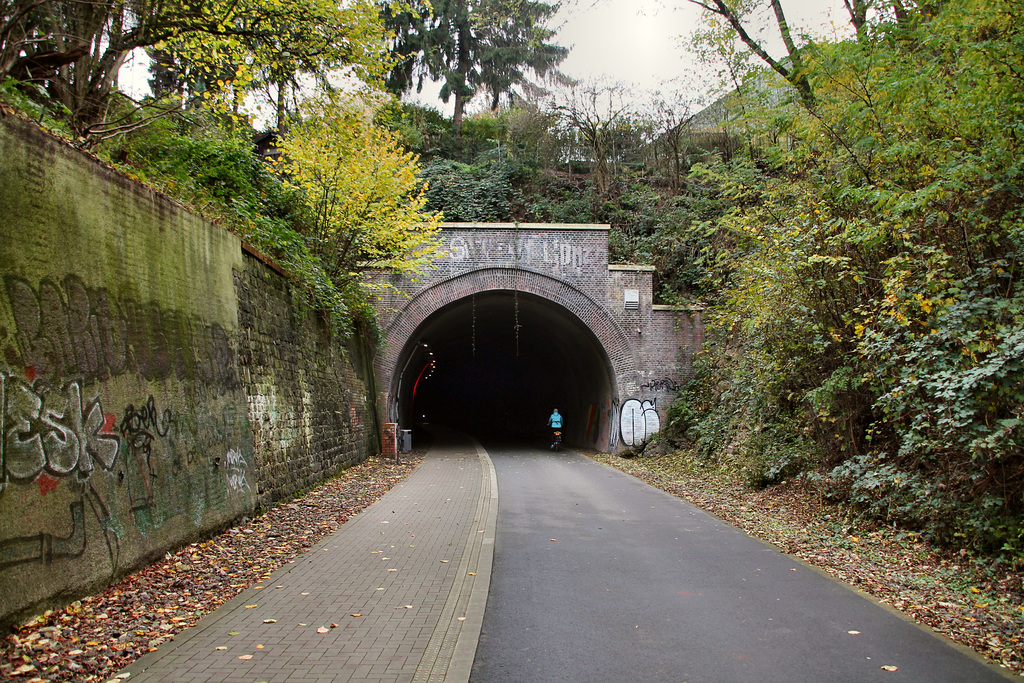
pixel 871 335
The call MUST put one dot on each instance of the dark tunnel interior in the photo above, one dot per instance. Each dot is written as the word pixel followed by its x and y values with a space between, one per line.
pixel 467 368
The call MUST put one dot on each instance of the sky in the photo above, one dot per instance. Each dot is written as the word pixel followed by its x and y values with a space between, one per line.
pixel 640 42
pixel 632 42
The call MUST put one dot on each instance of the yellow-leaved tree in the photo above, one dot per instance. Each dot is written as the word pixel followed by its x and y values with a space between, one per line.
pixel 364 198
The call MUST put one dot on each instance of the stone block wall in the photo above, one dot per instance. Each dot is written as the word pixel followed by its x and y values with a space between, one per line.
pixel 137 373
pixel 309 396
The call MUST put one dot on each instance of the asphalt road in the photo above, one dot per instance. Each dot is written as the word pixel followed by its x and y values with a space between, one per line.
pixel 600 577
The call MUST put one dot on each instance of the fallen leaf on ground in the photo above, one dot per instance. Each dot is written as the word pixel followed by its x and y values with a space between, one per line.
pixel 184 586
pixel 245 656
pixel 270 621
pixel 323 629
pixel 889 667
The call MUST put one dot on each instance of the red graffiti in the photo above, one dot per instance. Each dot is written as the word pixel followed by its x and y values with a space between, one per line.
pixel 109 424
pixel 31 374
pixel 47 484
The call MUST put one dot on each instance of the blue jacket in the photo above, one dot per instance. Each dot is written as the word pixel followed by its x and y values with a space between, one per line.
pixel 555 420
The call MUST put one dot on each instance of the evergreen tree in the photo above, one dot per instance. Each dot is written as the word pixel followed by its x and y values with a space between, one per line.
pixel 469 45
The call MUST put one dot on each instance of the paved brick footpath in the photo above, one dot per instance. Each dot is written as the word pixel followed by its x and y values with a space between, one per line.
pixel 397 594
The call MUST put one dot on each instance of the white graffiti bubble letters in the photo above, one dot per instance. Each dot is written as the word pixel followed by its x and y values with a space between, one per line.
pixel 638 421
pixel 50 428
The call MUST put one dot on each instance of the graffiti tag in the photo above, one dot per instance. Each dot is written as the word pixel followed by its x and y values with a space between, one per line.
pixel 663 384
pixel 68 330
pixel 638 421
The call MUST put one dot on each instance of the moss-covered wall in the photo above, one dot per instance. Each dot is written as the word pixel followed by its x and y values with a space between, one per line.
pixel 309 396
pixel 126 426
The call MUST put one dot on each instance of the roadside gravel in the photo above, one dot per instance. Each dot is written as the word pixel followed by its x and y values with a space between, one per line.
pixel 974 602
pixel 93 638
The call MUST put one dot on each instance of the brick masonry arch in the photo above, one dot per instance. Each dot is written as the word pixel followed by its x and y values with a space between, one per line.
pixel 648 348
pixel 622 358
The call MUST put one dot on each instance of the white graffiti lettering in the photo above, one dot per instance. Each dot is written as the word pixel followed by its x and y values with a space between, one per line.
pixel 638 421
pixel 235 468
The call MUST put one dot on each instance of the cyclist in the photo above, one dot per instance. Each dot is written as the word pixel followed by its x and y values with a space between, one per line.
pixel 555 422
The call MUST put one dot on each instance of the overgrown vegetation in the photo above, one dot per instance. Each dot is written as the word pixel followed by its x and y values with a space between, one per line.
pixel 850 215
pixel 870 332
pixel 328 213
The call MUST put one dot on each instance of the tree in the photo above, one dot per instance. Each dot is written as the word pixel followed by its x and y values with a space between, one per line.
pixel 672 116
pixel 75 48
pixel 874 322
pixel 471 44
pixel 793 68
pixel 311 38
pixel 364 200
pixel 597 113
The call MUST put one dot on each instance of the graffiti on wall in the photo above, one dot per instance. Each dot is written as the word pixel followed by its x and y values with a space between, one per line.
pixel 662 384
pixel 50 434
pixel 235 467
pixel 68 330
pixel 53 429
pixel 139 427
pixel 146 466
pixel 638 421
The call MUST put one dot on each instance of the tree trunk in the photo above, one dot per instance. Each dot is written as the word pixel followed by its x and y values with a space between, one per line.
pixel 460 107
pixel 282 126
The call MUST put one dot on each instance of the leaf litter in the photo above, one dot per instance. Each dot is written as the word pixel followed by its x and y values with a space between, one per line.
pixel 92 638
pixel 973 601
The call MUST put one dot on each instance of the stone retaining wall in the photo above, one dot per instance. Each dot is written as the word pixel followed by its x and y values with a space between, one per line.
pixel 157 383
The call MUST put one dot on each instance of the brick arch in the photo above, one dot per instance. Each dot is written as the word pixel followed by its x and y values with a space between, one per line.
pixel 621 355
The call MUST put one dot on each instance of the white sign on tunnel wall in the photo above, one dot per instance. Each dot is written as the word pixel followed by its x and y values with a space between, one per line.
pixel 638 421
pixel 535 251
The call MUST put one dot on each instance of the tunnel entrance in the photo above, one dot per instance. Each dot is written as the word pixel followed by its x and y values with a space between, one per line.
pixel 467 367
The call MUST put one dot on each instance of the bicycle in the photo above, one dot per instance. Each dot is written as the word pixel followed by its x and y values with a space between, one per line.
pixel 556 440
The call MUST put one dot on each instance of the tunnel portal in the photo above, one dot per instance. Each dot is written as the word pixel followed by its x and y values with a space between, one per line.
pixel 468 367
pixel 590 339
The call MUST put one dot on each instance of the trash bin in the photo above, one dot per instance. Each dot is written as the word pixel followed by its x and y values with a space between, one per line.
pixel 405 440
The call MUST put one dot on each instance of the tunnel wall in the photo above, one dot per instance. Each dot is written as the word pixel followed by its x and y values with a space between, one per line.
pixel 666 337
pixel 649 348
pixel 156 381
